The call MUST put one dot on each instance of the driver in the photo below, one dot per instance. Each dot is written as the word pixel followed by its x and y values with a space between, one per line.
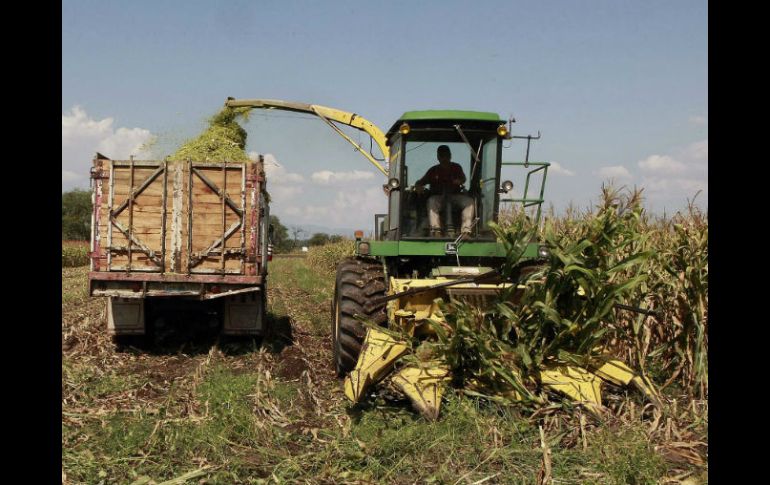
pixel 446 178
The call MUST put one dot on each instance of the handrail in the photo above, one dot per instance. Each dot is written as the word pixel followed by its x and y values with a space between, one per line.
pixel 526 201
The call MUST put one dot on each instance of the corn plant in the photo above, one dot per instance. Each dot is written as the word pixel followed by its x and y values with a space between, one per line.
pixel 681 291
pixel 74 253
pixel 324 259
pixel 566 312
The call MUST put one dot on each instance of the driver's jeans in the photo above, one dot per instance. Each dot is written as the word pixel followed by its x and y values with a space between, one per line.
pixel 460 201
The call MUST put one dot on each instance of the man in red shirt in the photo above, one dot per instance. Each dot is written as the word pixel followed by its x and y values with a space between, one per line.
pixel 446 178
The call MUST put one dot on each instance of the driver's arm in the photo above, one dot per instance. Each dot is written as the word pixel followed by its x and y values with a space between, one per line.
pixel 460 178
pixel 424 180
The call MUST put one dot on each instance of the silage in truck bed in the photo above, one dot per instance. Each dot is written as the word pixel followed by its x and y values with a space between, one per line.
pixel 224 139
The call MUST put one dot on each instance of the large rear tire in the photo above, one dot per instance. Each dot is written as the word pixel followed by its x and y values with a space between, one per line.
pixel 358 282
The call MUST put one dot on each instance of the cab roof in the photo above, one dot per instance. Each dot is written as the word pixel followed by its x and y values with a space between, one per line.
pixel 439 115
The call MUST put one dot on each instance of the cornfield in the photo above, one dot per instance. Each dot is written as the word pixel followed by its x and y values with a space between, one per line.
pixel 614 254
pixel 74 253
pixel 568 313
pixel 669 275
pixel 325 258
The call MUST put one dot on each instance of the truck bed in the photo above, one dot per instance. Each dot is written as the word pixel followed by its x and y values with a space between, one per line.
pixel 158 228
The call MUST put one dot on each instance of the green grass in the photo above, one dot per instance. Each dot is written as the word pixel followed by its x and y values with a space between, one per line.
pixel 306 292
pixel 625 457
pixel 74 285
pixel 93 384
pixel 162 444
pixel 295 274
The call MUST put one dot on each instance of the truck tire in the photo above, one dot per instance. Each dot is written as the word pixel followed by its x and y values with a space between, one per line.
pixel 359 281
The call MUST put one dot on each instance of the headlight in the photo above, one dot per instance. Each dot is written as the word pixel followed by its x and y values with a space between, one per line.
pixel 393 183
pixel 502 130
pixel 543 252
pixel 404 129
pixel 507 186
pixel 363 248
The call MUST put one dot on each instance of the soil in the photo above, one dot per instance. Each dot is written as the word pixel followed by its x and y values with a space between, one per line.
pixel 292 363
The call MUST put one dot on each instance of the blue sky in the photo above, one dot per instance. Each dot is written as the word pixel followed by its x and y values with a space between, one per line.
pixel 618 89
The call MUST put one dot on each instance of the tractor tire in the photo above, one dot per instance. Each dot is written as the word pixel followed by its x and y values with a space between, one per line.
pixel 359 281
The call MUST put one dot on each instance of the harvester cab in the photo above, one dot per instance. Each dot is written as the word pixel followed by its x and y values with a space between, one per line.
pixel 468 174
pixel 444 188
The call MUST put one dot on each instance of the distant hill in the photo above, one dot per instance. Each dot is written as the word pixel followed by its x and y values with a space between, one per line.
pixel 311 229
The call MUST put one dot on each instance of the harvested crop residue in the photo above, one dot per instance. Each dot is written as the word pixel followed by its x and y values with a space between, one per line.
pixel 245 409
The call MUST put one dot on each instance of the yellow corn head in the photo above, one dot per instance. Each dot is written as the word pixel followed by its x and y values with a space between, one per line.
pixel 423 383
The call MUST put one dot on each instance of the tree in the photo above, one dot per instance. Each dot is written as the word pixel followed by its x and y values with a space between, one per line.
pixel 76 214
pixel 296 232
pixel 280 240
pixel 335 238
pixel 318 239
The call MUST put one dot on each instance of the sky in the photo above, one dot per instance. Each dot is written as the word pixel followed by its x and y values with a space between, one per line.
pixel 618 89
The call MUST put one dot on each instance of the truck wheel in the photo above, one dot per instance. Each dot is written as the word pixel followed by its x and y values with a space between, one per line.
pixel 359 280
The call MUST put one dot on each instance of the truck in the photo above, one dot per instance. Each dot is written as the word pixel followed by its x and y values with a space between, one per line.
pixel 173 235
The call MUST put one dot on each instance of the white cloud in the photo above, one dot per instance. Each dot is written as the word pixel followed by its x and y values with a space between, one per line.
pixel 358 198
pixel 312 212
pixel 614 172
pixel 124 143
pixel 329 177
pixel 691 185
pixel 281 193
pixel 296 201
pixel 697 152
pixel 275 172
pixel 350 208
pixel 671 188
pixel 77 128
pixel 557 169
pixel 671 180
pixel 661 164
pixel 82 137
pixel 698 120
pixel 286 189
